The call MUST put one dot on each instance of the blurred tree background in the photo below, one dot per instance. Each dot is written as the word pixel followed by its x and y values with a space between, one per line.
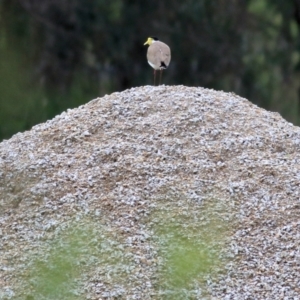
pixel 57 54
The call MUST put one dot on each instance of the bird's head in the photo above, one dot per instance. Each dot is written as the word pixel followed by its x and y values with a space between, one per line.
pixel 151 40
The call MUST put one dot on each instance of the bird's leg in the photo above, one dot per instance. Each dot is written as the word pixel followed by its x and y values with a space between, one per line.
pixel 160 76
pixel 154 73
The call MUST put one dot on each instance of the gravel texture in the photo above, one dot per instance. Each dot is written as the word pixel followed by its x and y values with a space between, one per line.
pixel 99 182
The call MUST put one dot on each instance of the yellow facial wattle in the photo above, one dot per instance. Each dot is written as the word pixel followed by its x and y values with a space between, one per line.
pixel 149 41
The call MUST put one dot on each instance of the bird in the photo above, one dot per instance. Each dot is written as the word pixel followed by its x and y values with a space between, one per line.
pixel 158 55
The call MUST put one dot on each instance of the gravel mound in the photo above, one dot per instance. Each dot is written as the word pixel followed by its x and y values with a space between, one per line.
pixel 108 192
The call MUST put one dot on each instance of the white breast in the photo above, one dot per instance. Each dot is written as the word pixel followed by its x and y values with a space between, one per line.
pixel 152 65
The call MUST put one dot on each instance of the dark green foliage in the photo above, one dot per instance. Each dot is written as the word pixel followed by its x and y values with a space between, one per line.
pixel 59 54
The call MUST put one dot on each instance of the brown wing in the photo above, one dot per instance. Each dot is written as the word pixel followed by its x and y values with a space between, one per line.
pixel 159 54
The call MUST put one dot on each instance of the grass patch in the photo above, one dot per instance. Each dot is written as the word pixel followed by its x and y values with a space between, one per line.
pixel 192 245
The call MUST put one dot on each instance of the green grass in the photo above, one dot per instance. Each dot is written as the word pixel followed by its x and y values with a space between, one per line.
pixel 192 250
pixel 189 251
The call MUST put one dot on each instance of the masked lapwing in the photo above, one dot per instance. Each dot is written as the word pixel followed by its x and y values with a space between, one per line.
pixel 158 55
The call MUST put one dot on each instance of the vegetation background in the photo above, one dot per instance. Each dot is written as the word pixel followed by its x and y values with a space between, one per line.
pixel 57 54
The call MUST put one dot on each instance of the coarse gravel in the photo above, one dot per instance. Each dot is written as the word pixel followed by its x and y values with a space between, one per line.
pixel 107 176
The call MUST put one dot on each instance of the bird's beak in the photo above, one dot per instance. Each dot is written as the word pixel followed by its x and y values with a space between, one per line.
pixel 147 42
